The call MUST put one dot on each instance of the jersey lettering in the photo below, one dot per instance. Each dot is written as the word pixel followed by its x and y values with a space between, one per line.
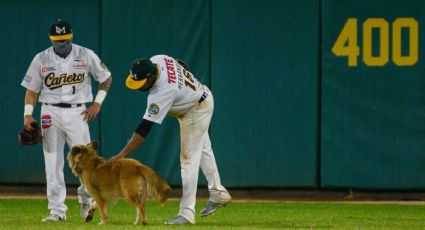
pixel 53 82
pixel 170 70
pixel 175 92
pixel 46 68
pixel 179 76
pixel 80 64
pixel 58 80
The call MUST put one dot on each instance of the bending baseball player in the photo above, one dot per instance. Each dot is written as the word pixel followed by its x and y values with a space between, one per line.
pixel 173 90
pixel 60 77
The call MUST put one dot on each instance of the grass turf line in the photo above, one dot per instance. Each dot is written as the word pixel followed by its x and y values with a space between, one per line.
pixel 27 214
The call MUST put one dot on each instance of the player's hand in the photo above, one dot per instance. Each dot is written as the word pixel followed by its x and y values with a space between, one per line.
pixel 111 160
pixel 28 120
pixel 91 112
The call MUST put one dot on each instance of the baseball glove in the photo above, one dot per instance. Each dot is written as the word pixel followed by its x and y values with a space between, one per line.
pixel 182 63
pixel 33 137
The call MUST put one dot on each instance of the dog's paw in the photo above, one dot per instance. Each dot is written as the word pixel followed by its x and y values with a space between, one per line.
pixel 137 222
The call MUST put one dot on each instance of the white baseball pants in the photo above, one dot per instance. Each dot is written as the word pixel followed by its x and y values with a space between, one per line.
pixel 60 125
pixel 196 152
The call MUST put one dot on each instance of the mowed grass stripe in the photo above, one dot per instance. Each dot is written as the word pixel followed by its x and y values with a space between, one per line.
pixel 27 213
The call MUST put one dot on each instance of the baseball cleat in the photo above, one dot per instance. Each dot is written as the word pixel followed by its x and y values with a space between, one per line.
pixel 53 218
pixel 178 220
pixel 90 215
pixel 212 207
pixel 84 210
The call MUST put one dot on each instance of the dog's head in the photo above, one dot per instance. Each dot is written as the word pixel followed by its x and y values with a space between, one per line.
pixel 81 154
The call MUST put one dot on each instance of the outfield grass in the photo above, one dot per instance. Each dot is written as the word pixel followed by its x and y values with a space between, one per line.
pixel 27 213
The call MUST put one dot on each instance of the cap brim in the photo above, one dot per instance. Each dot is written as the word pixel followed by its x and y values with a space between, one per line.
pixel 132 84
pixel 61 37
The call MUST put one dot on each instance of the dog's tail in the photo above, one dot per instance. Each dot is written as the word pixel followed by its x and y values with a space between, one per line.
pixel 156 187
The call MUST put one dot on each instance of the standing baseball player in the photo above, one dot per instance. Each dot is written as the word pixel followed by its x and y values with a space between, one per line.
pixel 60 77
pixel 173 90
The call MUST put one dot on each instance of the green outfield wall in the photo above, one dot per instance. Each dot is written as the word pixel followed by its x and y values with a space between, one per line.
pixel 308 94
pixel 373 100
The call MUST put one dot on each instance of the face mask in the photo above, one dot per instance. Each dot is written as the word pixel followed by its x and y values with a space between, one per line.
pixel 149 83
pixel 62 48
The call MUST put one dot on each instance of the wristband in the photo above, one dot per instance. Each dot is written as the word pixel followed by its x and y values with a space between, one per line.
pixel 28 109
pixel 101 94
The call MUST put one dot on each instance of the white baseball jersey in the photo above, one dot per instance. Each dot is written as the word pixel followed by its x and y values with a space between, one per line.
pixel 175 91
pixel 59 80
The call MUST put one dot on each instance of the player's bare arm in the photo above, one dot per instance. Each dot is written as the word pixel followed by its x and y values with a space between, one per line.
pixel 91 112
pixel 106 85
pixel 137 139
pixel 30 100
pixel 133 143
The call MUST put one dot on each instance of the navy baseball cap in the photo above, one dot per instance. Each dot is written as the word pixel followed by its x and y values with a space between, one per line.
pixel 140 70
pixel 60 30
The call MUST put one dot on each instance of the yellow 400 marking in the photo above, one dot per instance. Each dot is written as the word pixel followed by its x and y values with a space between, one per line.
pixel 346 43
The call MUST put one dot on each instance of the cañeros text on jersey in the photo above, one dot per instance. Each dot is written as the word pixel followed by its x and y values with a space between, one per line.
pixel 52 81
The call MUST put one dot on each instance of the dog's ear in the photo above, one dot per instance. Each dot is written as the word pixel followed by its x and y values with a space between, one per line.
pixel 75 165
pixel 93 145
pixel 77 149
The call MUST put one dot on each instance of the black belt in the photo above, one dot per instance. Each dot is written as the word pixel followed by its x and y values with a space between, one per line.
pixel 64 105
pixel 203 97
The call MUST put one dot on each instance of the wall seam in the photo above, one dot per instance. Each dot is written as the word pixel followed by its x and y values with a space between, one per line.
pixel 319 101
pixel 210 45
pixel 100 54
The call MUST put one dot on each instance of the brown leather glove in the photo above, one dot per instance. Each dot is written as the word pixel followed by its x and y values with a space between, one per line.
pixel 33 137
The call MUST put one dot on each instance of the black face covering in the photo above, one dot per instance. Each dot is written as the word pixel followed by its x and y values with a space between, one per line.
pixel 149 83
pixel 151 80
pixel 62 48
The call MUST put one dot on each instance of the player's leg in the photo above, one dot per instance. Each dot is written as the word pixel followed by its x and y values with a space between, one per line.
pixel 77 132
pixel 76 129
pixel 191 135
pixel 190 156
pixel 53 145
pixel 218 192
pixel 219 196
pixel 84 199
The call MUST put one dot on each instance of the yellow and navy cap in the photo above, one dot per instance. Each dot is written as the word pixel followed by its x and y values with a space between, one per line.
pixel 140 71
pixel 60 30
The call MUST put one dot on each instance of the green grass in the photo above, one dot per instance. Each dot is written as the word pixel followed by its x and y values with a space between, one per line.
pixel 27 213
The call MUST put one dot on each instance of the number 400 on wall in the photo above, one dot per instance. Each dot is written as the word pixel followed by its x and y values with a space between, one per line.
pixel 346 43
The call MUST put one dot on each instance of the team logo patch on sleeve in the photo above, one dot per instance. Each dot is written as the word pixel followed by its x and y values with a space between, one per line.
pixel 103 65
pixel 153 109
pixel 46 121
pixel 27 78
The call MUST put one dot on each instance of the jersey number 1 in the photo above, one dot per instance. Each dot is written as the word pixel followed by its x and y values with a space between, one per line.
pixel 73 89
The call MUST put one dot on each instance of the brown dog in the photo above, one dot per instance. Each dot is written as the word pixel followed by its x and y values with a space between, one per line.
pixel 125 178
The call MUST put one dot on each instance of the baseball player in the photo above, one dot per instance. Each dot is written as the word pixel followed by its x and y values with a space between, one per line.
pixel 173 90
pixel 60 77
